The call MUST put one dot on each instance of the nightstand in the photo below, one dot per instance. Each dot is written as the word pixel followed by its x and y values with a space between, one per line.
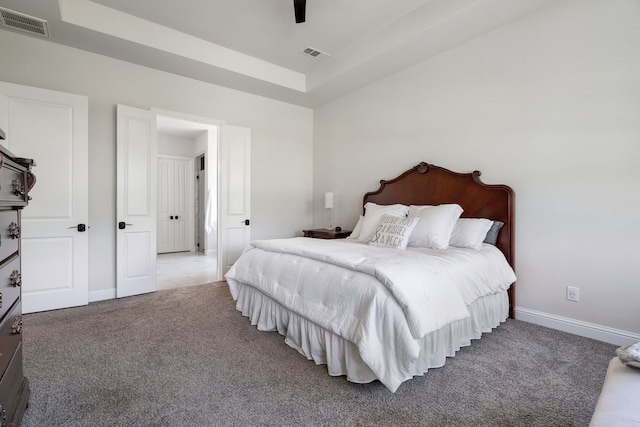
pixel 323 233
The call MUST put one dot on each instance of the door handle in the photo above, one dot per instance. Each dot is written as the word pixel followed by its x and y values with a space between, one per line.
pixel 81 227
pixel 247 222
pixel 171 217
pixel 176 216
pixel 122 225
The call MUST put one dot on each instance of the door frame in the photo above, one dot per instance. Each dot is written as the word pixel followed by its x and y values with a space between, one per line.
pixel 199 217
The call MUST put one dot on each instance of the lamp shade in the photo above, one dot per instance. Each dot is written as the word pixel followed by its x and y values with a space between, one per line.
pixel 328 200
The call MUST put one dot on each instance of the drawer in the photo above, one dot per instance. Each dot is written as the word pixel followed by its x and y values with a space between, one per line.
pixel 11 386
pixel 10 293
pixel 14 185
pixel 10 336
pixel 8 244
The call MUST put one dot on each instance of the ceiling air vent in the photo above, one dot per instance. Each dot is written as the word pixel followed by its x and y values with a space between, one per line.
pixel 315 53
pixel 22 22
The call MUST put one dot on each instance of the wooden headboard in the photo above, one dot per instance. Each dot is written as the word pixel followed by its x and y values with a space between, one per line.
pixel 427 184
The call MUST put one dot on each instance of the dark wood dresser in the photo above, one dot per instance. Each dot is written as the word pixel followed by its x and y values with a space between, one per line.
pixel 16 180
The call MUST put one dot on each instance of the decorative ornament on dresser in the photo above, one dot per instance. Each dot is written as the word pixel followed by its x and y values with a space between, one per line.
pixel 16 180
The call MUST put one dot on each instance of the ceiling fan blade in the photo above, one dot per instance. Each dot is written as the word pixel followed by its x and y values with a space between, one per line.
pixel 300 7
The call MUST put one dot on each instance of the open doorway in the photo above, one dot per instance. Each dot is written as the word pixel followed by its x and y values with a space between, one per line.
pixel 187 202
pixel 136 195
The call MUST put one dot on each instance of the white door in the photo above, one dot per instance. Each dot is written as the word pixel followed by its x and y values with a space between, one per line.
pixel 235 192
pixel 165 205
pixel 175 200
pixel 183 205
pixel 136 201
pixel 52 128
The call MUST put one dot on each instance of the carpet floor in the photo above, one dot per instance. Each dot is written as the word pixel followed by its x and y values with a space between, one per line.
pixel 186 357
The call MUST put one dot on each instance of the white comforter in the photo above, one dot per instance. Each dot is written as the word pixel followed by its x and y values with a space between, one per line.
pixel 380 299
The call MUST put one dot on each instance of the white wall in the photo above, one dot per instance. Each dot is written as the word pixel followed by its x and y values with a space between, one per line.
pixel 281 135
pixel 177 146
pixel 200 143
pixel 550 105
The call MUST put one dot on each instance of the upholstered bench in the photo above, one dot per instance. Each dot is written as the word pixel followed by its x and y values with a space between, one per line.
pixel 619 401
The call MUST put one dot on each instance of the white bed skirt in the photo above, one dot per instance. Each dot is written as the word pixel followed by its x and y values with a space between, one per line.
pixel 342 356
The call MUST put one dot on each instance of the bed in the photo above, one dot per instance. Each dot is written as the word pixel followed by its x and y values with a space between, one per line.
pixel 387 306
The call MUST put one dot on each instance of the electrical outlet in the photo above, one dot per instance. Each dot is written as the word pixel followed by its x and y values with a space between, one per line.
pixel 573 293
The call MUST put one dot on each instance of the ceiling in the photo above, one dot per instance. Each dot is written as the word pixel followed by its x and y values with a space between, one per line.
pixel 255 45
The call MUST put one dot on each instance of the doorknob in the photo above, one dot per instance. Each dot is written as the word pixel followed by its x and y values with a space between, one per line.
pixel 247 222
pixel 81 227
pixel 171 217
pixel 122 225
pixel 176 216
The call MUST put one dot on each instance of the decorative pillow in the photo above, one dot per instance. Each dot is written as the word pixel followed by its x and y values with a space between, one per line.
pixel 492 234
pixel 393 232
pixel 469 232
pixel 373 213
pixel 357 229
pixel 435 225
pixel 630 355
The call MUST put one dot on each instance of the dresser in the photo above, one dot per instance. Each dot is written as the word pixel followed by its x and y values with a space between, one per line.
pixel 16 180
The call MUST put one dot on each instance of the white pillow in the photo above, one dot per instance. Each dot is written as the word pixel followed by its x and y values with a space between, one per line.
pixel 435 225
pixel 373 214
pixel 393 232
pixel 469 232
pixel 357 229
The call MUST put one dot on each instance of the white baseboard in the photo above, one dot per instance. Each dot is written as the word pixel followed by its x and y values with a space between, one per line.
pixel 106 294
pixel 577 327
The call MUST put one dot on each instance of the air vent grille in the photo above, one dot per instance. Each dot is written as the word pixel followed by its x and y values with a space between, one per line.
pixel 315 53
pixel 22 22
